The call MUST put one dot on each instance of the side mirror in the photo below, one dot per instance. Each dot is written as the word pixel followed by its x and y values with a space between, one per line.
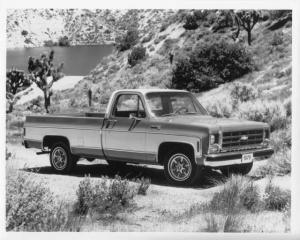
pixel 134 117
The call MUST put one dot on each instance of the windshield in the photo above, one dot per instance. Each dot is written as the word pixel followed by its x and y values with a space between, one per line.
pixel 163 104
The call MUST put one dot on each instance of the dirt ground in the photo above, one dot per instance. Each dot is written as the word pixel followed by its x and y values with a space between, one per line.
pixel 162 209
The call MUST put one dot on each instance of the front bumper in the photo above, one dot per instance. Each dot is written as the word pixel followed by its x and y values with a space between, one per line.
pixel 233 158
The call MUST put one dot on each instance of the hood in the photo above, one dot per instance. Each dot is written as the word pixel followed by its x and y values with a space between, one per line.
pixel 215 124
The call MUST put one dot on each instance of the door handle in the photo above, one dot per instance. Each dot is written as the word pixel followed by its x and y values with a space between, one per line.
pixel 155 127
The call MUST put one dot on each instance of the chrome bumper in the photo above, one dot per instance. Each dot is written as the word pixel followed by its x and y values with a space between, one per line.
pixel 233 158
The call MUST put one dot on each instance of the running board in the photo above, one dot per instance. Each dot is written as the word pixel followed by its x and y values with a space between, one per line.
pixel 43 152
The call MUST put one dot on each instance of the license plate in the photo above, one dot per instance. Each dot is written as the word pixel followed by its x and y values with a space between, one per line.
pixel 246 158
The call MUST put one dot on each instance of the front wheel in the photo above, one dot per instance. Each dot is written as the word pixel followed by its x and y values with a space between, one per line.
pixel 180 169
pixel 61 159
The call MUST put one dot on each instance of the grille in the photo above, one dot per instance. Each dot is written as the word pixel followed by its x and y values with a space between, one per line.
pixel 233 141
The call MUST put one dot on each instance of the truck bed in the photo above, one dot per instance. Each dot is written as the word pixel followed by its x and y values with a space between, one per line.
pixel 82 131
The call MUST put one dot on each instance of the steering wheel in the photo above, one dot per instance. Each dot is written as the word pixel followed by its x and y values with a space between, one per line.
pixel 180 109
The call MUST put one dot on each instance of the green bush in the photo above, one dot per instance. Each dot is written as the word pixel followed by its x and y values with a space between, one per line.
pixel 136 55
pixel 49 43
pixel 275 198
pixel 190 22
pixel 201 15
pixel 30 206
pixel 243 92
pixel 210 64
pixel 129 39
pixel 24 33
pixel 271 112
pixel 103 196
pixel 64 41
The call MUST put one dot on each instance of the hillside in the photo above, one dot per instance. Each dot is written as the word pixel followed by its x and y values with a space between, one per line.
pixel 37 27
pixel 270 51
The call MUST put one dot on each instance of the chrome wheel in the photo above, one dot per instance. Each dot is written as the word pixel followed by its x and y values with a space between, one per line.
pixel 179 167
pixel 59 158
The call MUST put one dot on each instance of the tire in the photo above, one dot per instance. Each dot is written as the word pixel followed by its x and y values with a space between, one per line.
pixel 188 173
pixel 61 159
pixel 238 169
pixel 116 164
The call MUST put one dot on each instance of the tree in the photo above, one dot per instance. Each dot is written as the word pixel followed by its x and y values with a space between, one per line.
pixel 247 19
pixel 129 39
pixel 41 70
pixel 16 81
pixel 137 54
pixel 190 22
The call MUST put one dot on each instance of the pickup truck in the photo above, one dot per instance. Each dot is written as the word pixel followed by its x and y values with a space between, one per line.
pixel 151 126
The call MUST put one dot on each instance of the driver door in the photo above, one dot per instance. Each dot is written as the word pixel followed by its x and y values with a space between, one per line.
pixel 124 133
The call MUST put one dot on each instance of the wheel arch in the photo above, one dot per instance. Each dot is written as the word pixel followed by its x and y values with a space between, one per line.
pixel 167 146
pixel 50 140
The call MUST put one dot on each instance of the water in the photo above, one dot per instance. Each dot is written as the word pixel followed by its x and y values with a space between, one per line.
pixel 78 60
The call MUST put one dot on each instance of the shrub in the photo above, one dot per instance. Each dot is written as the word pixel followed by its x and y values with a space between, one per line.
pixel 49 43
pixel 64 41
pixel 129 39
pixel 227 201
pixel 275 198
pixel 190 22
pixel 277 39
pixel 24 33
pixel 220 108
pixel 147 38
pixel 8 154
pixel 201 15
pixel 30 206
pixel 243 92
pixel 278 165
pixel 271 112
pixel 163 27
pixel 143 185
pixel 210 64
pixel 250 197
pixel 276 14
pixel 136 55
pixel 104 196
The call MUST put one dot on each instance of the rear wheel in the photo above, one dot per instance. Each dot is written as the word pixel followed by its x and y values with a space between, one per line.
pixel 238 169
pixel 180 169
pixel 61 159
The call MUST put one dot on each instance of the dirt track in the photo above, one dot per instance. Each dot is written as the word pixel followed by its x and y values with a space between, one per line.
pixel 160 199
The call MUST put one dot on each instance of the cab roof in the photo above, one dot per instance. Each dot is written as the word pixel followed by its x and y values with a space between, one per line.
pixel 148 90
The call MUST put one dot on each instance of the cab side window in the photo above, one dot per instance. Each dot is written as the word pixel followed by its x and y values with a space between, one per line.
pixel 127 104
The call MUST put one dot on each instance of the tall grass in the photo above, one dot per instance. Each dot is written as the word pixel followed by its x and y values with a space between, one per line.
pixel 31 206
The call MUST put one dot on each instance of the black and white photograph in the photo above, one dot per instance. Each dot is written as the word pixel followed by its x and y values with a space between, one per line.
pixel 149 119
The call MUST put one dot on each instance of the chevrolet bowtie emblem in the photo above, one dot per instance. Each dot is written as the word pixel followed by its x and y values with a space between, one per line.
pixel 244 138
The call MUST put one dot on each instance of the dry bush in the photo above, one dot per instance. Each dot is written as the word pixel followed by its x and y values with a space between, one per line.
pixel 103 196
pixel 279 164
pixel 31 206
pixel 143 185
pixel 271 112
pixel 220 108
pixel 243 92
pixel 275 198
